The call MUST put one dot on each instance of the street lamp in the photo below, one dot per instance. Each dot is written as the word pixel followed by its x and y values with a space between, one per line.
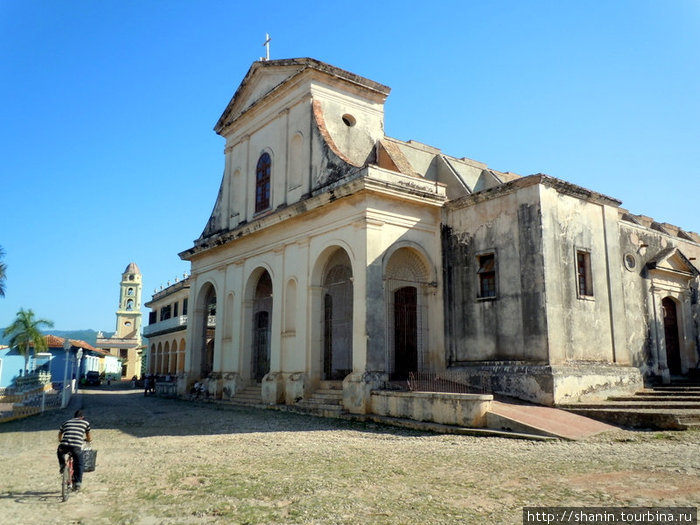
pixel 66 347
pixel 78 357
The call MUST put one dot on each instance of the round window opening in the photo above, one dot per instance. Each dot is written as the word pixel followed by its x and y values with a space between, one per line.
pixel 349 120
pixel 128 323
pixel 630 261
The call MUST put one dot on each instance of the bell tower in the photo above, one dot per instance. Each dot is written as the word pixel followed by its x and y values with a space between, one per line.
pixel 129 310
pixel 125 344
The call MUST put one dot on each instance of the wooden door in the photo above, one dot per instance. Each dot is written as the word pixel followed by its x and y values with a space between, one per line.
pixel 673 351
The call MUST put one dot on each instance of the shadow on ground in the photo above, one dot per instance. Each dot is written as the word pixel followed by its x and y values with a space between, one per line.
pixel 29 497
pixel 121 408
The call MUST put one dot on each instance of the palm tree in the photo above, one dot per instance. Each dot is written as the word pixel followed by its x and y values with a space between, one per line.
pixel 24 332
pixel 3 268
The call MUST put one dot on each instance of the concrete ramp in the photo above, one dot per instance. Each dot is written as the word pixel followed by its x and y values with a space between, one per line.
pixel 542 421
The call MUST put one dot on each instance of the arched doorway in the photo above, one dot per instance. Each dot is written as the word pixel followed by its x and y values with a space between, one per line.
pixel 262 317
pixel 337 317
pixel 207 329
pixel 407 276
pixel 673 350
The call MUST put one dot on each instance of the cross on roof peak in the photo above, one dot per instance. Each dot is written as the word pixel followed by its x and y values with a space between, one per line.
pixel 266 44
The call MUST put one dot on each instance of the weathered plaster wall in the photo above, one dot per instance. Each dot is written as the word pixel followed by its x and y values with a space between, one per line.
pixel 354 123
pixel 579 325
pixel 511 326
pixel 643 291
pixel 467 410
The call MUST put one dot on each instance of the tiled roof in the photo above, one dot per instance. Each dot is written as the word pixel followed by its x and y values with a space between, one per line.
pixel 54 341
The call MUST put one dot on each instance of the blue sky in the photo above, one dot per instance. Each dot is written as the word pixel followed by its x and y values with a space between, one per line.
pixel 108 154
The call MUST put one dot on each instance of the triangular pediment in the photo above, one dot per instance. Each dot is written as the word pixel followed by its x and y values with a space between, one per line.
pixel 266 76
pixel 260 80
pixel 672 260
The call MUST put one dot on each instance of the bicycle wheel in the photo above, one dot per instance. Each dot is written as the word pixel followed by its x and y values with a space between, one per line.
pixel 66 477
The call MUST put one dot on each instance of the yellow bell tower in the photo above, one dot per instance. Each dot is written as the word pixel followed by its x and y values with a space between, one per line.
pixel 126 341
pixel 129 311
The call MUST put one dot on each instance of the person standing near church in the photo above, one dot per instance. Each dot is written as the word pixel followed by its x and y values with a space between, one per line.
pixel 71 436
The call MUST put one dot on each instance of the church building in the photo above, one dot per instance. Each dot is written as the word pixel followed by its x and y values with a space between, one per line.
pixel 337 254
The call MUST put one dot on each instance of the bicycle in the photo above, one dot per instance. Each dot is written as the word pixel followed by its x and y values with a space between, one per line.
pixel 67 476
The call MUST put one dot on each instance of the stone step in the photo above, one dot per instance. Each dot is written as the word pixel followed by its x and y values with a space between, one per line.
pixel 315 401
pixel 664 419
pixel 638 404
pixel 332 411
pixel 669 392
pixel 677 388
pixel 251 395
pixel 255 397
pixel 331 385
pixel 675 407
pixel 324 406
pixel 331 395
pixel 326 401
pixel 657 397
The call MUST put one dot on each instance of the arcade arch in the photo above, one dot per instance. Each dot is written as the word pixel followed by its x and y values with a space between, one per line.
pixel 407 280
pixel 204 324
pixel 333 308
pixel 258 307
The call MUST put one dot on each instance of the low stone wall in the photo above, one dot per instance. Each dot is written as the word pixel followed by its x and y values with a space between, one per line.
pixel 30 405
pixel 551 385
pixel 467 410
pixel 594 382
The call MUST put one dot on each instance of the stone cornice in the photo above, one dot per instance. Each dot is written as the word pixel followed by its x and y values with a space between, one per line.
pixel 185 283
pixel 368 179
pixel 563 187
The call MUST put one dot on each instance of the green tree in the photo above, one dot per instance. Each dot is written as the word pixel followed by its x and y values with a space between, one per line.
pixel 25 332
pixel 3 269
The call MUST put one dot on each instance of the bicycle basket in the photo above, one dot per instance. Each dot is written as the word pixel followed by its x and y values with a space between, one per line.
pixel 89 459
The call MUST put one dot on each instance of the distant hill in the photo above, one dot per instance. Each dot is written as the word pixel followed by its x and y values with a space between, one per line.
pixel 89 336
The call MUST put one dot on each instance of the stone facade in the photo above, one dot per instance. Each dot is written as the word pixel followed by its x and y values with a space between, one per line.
pixel 335 253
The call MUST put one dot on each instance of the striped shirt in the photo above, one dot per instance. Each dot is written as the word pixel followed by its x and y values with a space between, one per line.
pixel 73 432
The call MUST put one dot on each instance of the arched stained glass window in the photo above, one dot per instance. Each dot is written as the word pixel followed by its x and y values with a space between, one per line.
pixel 262 182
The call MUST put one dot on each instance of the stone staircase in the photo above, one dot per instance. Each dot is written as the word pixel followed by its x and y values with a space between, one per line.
pixel 327 401
pixel 668 407
pixel 250 395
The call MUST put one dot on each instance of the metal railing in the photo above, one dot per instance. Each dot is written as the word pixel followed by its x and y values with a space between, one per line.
pixel 457 382
pixel 167 324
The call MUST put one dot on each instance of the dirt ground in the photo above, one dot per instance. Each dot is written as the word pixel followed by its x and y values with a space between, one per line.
pixel 172 461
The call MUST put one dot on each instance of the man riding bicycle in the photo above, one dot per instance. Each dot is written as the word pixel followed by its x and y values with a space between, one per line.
pixel 71 436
